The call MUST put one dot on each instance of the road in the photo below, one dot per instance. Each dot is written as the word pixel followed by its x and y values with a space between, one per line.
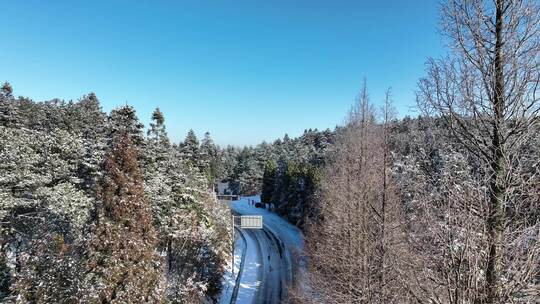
pixel 269 258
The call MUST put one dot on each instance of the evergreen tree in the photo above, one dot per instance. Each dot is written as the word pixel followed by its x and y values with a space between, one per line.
pixel 122 264
pixel 269 180
pixel 286 138
pixel 158 146
pixel 6 89
pixel 48 164
pixel 209 158
pixel 9 113
pixel 190 148
pixel 228 160
pixel 247 175
pixel 123 121
pixel 87 118
pixel 157 133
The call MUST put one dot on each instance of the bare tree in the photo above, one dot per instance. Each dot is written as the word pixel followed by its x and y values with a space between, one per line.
pixel 357 247
pixel 486 90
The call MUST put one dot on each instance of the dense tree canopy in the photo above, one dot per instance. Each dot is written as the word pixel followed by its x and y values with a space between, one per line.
pixel 62 221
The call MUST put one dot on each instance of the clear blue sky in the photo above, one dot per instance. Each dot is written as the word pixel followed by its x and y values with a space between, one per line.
pixel 245 71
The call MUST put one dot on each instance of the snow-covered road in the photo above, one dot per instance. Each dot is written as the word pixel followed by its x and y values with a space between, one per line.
pixel 269 258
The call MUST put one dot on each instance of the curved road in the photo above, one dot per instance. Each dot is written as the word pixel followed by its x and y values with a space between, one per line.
pixel 270 258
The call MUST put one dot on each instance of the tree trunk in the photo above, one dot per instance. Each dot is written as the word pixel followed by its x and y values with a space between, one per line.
pixel 383 203
pixel 497 187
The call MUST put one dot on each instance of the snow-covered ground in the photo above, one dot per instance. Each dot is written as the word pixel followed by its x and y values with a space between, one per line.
pixel 272 257
pixel 229 278
pixel 251 275
pixel 287 232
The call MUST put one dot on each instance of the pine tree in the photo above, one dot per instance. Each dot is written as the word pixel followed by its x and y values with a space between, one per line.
pixel 87 118
pixel 8 108
pixel 7 89
pixel 157 133
pixel 190 148
pixel 158 146
pixel 124 120
pixel 122 263
pixel 247 175
pixel 209 158
pixel 228 160
pixel 52 237
pixel 269 180
pixel 286 138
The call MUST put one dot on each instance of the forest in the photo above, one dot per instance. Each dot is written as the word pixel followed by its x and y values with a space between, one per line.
pixel 95 211
pixel 443 207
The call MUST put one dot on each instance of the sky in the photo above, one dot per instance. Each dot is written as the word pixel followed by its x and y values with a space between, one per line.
pixel 245 71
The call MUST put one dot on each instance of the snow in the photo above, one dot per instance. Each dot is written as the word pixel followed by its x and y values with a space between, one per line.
pixel 250 277
pixel 250 281
pixel 229 279
pixel 254 269
pixel 288 233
